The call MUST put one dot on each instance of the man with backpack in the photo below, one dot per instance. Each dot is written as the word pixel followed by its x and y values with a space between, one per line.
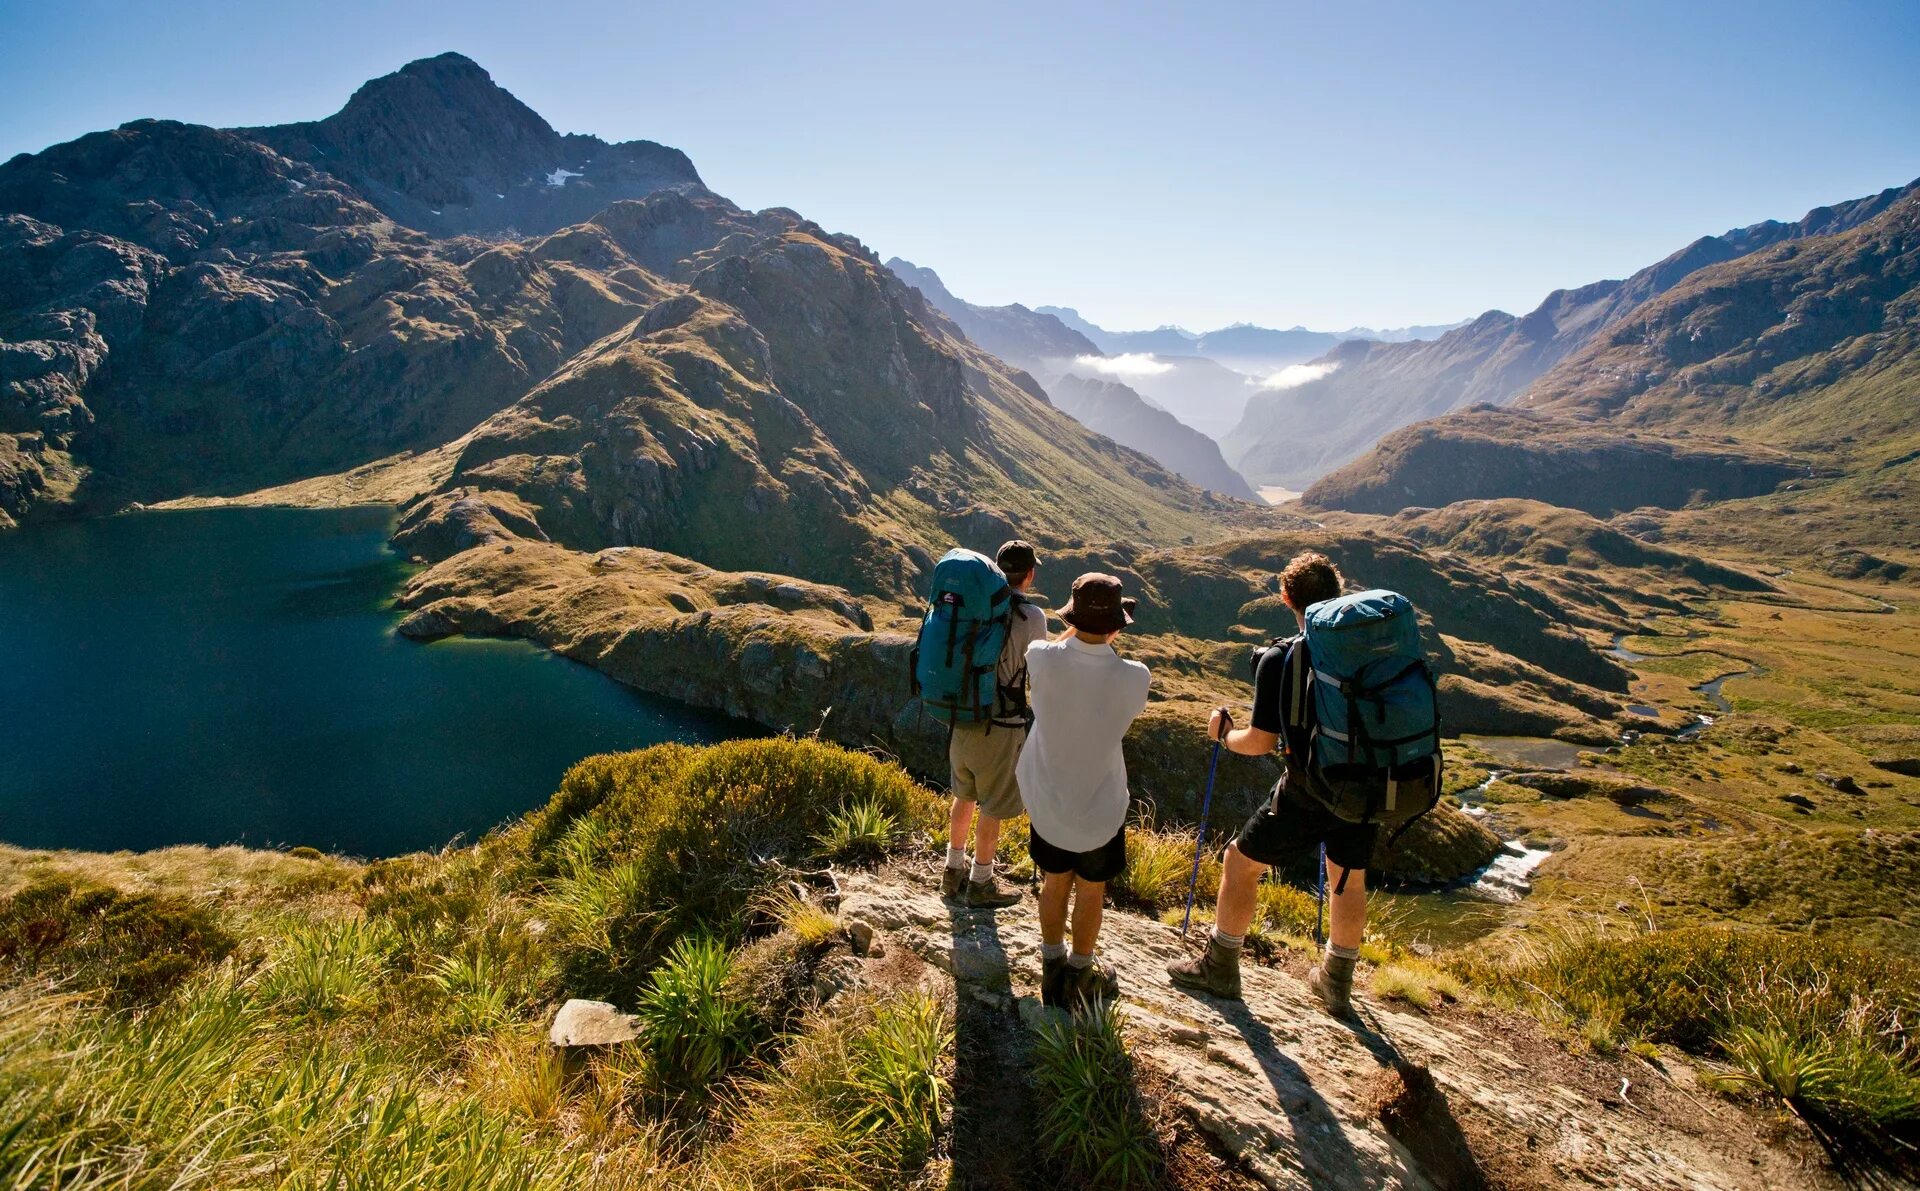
pixel 1352 704
pixel 1074 779
pixel 971 671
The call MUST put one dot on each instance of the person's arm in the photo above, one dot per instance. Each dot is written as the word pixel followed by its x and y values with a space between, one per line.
pixel 1262 735
pixel 1248 741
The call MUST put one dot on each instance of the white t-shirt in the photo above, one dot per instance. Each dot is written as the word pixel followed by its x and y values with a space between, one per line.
pixel 1072 775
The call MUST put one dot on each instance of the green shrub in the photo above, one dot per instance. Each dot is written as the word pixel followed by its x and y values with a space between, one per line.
pixel 859 834
pixel 668 840
pixel 136 947
pixel 1090 1111
pixel 693 1022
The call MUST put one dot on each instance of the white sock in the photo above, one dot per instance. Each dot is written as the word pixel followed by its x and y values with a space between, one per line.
pixel 982 872
pixel 956 858
pixel 1053 951
pixel 1336 951
pixel 1230 942
pixel 1077 960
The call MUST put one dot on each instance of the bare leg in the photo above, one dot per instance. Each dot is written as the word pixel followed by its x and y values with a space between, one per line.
pixel 1239 892
pixel 1089 905
pixel 1054 888
pixel 959 824
pixel 1349 909
pixel 986 837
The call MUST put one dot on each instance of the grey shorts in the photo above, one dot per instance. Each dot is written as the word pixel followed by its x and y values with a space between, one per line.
pixel 983 761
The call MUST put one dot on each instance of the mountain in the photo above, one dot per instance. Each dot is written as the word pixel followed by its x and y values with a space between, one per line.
pixel 1292 436
pixel 1025 338
pixel 195 311
pixel 1070 369
pixel 438 146
pixel 1128 419
pixel 1794 362
pixel 1167 340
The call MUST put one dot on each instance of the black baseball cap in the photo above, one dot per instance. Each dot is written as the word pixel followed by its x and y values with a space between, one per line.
pixel 1097 605
pixel 1017 557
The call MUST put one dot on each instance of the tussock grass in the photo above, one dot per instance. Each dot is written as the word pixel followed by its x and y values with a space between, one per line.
pixel 384 1024
pixel 1823 1025
pixel 1090 1112
pixel 856 1103
pixel 1417 982
pixel 808 922
pixel 1160 867
pixel 861 833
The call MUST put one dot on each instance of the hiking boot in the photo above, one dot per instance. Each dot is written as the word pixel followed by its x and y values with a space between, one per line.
pixel 1095 982
pixel 1215 970
pixel 1332 981
pixel 952 881
pixel 1053 982
pixel 989 894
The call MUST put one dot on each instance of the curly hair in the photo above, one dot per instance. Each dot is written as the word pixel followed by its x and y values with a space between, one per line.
pixel 1309 578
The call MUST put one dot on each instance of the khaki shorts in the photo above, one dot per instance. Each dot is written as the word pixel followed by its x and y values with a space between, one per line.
pixel 983 761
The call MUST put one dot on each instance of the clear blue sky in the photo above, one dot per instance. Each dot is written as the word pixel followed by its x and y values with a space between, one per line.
pixel 1379 163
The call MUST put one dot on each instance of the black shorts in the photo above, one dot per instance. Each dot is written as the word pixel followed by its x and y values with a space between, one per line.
pixel 1102 864
pixel 1290 827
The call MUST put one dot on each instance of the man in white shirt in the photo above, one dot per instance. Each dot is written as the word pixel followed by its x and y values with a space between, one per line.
pixel 1073 779
pixel 982 756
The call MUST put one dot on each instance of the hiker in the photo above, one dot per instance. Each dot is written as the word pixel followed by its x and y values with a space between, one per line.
pixel 982 752
pixel 1385 766
pixel 1074 780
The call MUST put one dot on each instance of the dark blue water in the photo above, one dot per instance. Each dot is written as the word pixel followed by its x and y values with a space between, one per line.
pixel 232 676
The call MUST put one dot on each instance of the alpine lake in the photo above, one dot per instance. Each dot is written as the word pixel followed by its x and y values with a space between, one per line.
pixel 232 675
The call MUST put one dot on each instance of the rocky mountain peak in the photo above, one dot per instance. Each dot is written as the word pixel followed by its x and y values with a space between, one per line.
pixel 440 146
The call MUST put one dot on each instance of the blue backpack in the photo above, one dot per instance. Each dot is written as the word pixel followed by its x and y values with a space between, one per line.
pixel 957 657
pixel 1374 751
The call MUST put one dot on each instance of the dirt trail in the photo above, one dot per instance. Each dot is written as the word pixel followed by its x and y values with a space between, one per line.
pixel 1300 1100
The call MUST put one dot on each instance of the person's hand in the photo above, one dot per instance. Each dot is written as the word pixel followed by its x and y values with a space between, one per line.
pixel 1219 724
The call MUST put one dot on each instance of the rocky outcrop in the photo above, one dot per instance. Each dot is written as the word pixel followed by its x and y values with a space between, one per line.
pixel 1491 454
pixel 1296 1099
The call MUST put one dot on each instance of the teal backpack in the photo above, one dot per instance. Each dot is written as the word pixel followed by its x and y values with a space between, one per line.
pixel 957 657
pixel 1374 752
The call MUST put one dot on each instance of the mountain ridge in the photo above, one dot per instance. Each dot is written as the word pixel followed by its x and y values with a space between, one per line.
pixel 1295 436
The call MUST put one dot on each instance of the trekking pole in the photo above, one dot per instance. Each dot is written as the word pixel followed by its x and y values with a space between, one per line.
pixel 1320 899
pixel 1193 882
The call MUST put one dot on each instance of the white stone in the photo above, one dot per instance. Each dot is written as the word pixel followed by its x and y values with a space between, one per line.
pixel 592 1023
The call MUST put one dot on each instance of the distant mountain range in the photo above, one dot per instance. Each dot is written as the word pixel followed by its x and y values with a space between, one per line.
pixel 1364 391
pixel 191 311
pixel 1794 363
pixel 1243 347
pixel 1069 368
